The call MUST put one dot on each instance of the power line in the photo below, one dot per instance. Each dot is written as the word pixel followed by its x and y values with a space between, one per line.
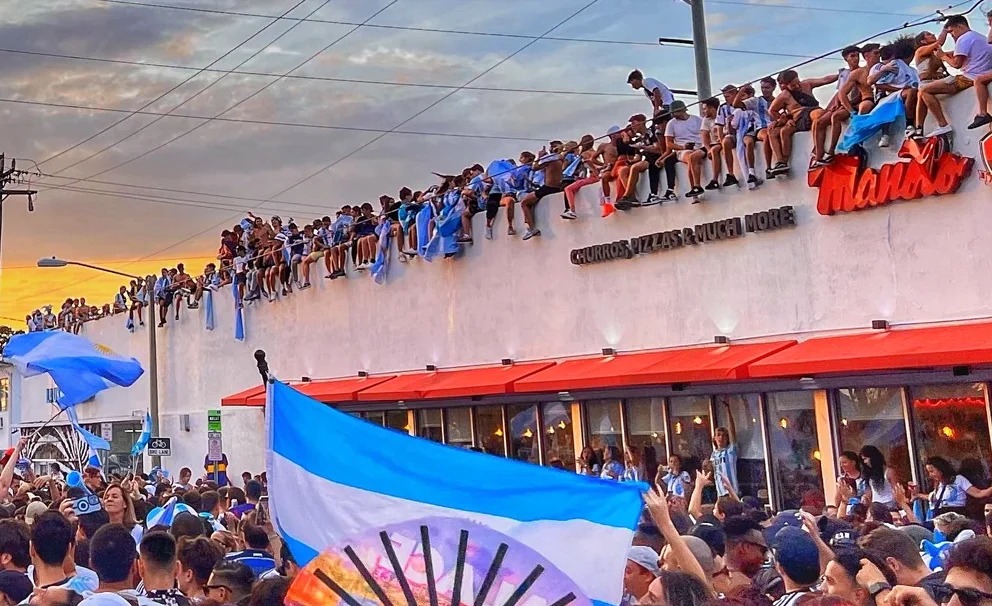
pixel 185 101
pixel 823 9
pixel 147 105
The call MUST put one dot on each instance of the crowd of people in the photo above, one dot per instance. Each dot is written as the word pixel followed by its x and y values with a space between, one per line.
pixel 269 259
pixel 138 540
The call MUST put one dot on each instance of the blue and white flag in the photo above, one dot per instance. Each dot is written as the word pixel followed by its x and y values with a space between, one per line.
pixel 866 126
pixel 164 516
pixel 80 368
pixel 390 512
pixel 423 227
pixel 93 441
pixel 208 308
pixel 381 265
pixel 144 438
pixel 239 315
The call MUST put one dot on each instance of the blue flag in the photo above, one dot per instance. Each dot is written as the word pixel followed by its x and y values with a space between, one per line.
pixel 146 435
pixel 208 308
pixel 80 368
pixel 239 315
pixel 865 126
pixel 425 518
pixel 381 265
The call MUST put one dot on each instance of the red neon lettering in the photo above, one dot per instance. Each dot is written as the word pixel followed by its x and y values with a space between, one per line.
pixel 844 186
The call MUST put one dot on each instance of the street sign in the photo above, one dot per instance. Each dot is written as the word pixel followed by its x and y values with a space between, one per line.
pixel 215 447
pixel 107 431
pixel 160 447
pixel 213 421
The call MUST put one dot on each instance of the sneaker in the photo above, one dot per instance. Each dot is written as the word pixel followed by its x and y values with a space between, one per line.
pixel 569 214
pixel 828 158
pixel 510 231
pixel 752 182
pixel 712 185
pixel 883 141
pixel 141 323
pixel 980 121
pixel 817 163
pixel 305 286
pixel 360 267
pixel 695 192
pixel 464 240
pixel 653 199
pixel 670 195
pixel 489 233
pixel 338 274
pixel 769 174
pixel 608 209
pixel 912 131
pixel 530 233
pixel 730 180
pixel 626 203
pixel 941 130
pixel 193 305
pixel 780 169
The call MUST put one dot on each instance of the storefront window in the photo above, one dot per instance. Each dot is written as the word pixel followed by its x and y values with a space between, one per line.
pixel 391 419
pixel 458 426
pixel 646 426
pixel 559 441
pixel 429 424
pixel 690 429
pixel 523 433
pixel 489 429
pixel 873 416
pixel 794 455
pixel 950 421
pixel 750 448
pixel 603 422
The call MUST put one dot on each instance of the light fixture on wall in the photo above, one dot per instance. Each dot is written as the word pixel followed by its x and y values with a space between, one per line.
pixel 843 422
pixel 363 374
pixel 816 455
pixel 528 433
pixel 561 424
pixel 697 420
pixel 948 432
pixel 499 432
pixel 506 362
pixel 306 379
pixel 609 351
pixel 783 423
pixel 678 427
pixel 879 324
pixel 721 340
pixel 431 368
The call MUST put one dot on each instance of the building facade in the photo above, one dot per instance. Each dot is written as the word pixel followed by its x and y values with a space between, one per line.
pixel 646 328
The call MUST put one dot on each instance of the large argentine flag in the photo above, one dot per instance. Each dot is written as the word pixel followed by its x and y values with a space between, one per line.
pixel 378 513
pixel 79 367
pixel 865 126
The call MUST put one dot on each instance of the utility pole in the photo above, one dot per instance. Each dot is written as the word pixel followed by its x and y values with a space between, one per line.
pixel 704 89
pixel 7 178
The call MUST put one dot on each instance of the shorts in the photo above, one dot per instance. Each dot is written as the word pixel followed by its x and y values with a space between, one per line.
pixel 316 255
pixel 239 278
pixel 683 154
pixel 960 82
pixel 546 190
pixel 804 123
pixel 492 206
pixel 473 207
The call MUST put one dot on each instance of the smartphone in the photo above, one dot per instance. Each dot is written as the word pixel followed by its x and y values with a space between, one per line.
pixel 263 506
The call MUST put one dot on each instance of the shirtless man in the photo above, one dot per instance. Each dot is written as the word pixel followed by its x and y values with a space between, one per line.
pixel 794 110
pixel 552 166
pixel 606 155
pixel 931 69
pixel 182 285
pixel 836 113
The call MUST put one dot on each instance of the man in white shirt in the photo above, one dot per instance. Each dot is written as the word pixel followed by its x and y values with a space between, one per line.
pixel 982 90
pixel 683 135
pixel 972 55
pixel 660 95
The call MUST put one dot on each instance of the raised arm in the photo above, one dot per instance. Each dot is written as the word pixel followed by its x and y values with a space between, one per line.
pixel 696 500
pixel 658 509
pixel 826 554
pixel 7 475
pixel 825 80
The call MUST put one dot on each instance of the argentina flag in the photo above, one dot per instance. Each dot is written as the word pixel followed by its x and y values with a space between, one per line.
pixel 389 518
pixel 80 368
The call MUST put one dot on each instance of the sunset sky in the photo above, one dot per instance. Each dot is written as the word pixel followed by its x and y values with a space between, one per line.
pixel 227 167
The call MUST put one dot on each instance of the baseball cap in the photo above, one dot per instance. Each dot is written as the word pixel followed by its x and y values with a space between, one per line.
pixel 34 510
pixel 638 118
pixel 613 130
pixel 917 533
pixel 677 106
pixel 797 555
pixel 645 557
pixel 702 552
pixel 785 519
pixel 15 585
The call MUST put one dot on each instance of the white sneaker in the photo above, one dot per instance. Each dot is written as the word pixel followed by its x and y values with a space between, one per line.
pixel 941 130
pixel 530 233
pixel 489 233
pixel 883 141
pixel 568 214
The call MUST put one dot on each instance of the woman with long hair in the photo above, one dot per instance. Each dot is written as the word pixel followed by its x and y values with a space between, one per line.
pixel 588 462
pixel 950 489
pixel 882 480
pixel 612 464
pixel 120 508
pixel 677 589
pixel 633 469
pixel 852 474
pixel 677 481
pixel 649 462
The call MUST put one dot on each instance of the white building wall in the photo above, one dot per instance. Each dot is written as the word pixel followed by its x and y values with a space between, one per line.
pixel 921 261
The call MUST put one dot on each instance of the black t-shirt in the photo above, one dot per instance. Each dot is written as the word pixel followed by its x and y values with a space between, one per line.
pixel 625 149
pixel 364 227
pixel 295 243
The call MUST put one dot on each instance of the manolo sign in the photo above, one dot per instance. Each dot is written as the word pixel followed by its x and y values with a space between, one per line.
pixel 714 231
pixel 846 184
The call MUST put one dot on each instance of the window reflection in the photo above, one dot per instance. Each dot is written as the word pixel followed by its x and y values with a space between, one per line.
pixel 559 441
pixel 489 429
pixel 398 420
pixel 523 433
pixel 458 426
pixel 873 416
pixel 794 452
pixel 690 429
pixel 951 422
pixel 750 448
pixel 646 429
pixel 603 422
pixel 429 424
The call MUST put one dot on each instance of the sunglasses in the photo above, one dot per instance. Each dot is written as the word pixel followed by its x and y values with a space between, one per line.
pixel 968 597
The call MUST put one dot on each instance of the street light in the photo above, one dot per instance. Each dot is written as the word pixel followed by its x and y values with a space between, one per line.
pixel 698 42
pixel 149 282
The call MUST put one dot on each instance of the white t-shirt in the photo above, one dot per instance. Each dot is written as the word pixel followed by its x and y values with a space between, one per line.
pixel 954 494
pixel 977 52
pixel 650 84
pixel 709 125
pixel 685 131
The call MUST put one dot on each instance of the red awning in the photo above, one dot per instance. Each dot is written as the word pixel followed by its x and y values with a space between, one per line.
pixel 241 398
pixel 454 383
pixel 340 390
pixel 720 363
pixel 881 350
